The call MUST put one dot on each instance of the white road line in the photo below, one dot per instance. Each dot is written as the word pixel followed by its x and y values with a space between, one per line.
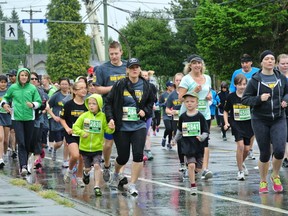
pixel 271 208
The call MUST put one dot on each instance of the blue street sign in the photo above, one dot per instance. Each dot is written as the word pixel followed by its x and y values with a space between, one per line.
pixel 34 20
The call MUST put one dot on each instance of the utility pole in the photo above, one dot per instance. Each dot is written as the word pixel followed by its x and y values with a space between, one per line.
pixel 31 37
pixel 105 29
pixel 1 62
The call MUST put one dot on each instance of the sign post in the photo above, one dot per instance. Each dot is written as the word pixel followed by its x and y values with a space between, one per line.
pixel 11 31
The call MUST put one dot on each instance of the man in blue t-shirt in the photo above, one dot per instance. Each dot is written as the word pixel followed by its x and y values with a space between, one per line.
pixel 247 70
pixel 106 75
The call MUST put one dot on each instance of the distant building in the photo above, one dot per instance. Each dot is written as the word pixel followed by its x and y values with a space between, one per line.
pixel 40 61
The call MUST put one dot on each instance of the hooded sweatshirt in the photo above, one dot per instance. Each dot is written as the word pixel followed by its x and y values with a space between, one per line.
pixel 19 95
pixel 270 109
pixel 93 124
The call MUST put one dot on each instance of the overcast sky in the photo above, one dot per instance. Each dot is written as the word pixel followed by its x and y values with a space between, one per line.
pixel 116 17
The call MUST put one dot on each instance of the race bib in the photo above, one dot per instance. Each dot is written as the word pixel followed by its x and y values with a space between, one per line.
pixel 191 129
pixel 92 126
pixel 202 104
pixel 176 115
pixel 241 112
pixel 130 114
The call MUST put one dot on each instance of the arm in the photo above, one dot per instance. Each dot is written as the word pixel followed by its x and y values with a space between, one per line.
pixel 103 89
pixel 226 124
pixel 78 126
pixel 250 96
pixel 181 92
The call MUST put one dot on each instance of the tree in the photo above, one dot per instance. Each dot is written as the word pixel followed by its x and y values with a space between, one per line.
pixel 68 46
pixel 40 47
pixel 152 41
pixel 183 11
pixel 13 51
pixel 227 30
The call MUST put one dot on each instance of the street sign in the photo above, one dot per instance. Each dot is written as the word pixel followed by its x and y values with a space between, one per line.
pixel 34 20
pixel 11 31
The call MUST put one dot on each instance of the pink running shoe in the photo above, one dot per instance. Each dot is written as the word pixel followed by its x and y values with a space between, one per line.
pixel 37 163
pixel 276 184
pixel 263 188
pixel 42 154
pixel 145 158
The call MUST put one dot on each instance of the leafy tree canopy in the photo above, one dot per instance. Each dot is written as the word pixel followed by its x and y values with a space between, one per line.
pixel 68 46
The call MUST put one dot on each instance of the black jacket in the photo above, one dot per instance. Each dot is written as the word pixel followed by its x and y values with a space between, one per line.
pixel 114 101
pixel 270 109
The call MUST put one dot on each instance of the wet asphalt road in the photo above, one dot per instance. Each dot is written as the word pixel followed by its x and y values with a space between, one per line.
pixel 162 190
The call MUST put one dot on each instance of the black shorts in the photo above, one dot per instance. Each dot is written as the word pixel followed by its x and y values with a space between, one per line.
pixel 71 139
pixel 91 158
pixel 56 136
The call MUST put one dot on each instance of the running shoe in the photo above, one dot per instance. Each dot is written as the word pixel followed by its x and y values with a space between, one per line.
pixel 37 163
pixel 65 164
pixel 114 181
pixel 149 154
pixel 132 189
pixel 193 191
pixel 24 171
pixel 276 184
pixel 245 170
pixel 285 163
pixel 207 174
pixel 97 191
pixel 122 180
pixel 67 176
pixel 145 158
pixel 241 176
pixel 50 149
pixel 251 155
pixel 2 164
pixel 80 182
pixel 182 167
pixel 86 178
pixel 14 155
pixel 163 142
pixel 225 138
pixel 106 173
pixel 263 187
pixel 169 146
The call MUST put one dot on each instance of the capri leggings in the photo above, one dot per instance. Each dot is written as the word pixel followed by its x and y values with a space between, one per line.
pixel 124 139
pixel 270 132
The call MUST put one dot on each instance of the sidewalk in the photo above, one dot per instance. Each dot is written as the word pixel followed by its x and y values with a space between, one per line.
pixel 15 200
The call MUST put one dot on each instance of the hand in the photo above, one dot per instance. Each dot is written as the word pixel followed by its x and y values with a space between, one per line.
pixel 265 96
pixel 283 104
pixel 7 108
pixel 69 131
pixel 29 104
pixel 85 135
pixel 111 124
pixel 141 113
pixel 198 88
pixel 226 126
pixel 173 142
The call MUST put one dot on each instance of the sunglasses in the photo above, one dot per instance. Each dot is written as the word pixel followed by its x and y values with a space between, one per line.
pixel 34 79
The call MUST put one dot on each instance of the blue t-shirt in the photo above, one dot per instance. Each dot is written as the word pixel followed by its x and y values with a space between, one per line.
pixel 130 102
pixel 56 104
pixel 248 75
pixel 107 74
pixel 174 103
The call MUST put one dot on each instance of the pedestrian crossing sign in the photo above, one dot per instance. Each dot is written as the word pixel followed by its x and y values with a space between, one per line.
pixel 11 31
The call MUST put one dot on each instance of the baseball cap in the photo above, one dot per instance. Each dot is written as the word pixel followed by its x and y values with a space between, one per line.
pixel 133 61
pixel 194 57
pixel 12 72
pixel 192 94
pixel 169 83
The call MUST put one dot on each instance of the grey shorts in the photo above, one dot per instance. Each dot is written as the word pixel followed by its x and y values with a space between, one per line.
pixel 91 158
pixel 198 161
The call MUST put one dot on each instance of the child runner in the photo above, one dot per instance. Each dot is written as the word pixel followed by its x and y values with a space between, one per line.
pixel 5 122
pixel 71 111
pixel 192 131
pixel 240 120
pixel 90 126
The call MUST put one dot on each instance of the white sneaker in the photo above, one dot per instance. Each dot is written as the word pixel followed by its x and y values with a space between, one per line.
pixel 251 155
pixel 132 189
pixel 245 170
pixel 65 164
pixel 193 191
pixel 67 176
pixel 80 182
pixel 114 181
pixel 241 176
